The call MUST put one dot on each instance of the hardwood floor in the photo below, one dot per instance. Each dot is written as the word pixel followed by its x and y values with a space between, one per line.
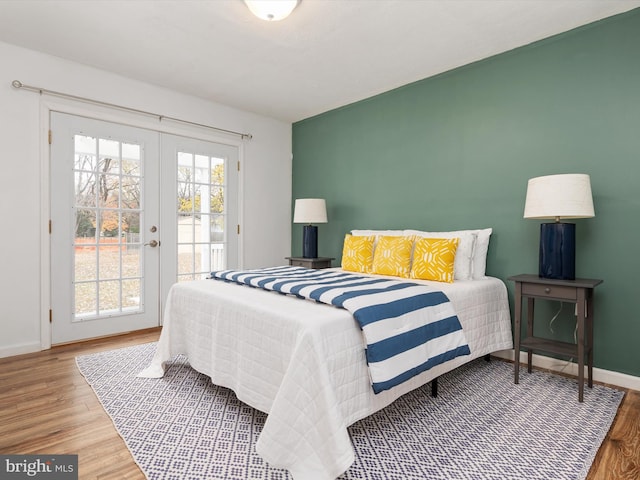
pixel 46 407
pixel 619 455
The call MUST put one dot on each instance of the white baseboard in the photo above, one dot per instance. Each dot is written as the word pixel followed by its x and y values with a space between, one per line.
pixel 19 349
pixel 563 366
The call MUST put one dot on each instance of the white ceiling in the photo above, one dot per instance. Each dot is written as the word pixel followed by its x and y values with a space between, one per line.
pixel 328 53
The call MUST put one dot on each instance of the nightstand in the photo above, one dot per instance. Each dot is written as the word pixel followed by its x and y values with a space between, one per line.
pixel 578 291
pixel 315 263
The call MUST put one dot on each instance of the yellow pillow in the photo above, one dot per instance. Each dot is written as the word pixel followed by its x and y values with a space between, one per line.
pixel 393 256
pixel 433 259
pixel 357 253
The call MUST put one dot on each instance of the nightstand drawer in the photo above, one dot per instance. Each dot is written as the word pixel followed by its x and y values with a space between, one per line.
pixel 299 263
pixel 551 291
pixel 316 263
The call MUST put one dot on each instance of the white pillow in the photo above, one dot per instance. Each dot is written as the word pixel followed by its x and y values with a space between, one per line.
pixel 479 262
pixel 377 233
pixel 462 266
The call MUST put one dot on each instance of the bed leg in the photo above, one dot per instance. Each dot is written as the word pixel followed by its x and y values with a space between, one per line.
pixel 434 387
pixel 487 357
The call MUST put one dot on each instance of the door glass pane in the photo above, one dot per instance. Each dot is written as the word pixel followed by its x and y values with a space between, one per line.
pixel 85 226
pixel 185 259
pixel 109 297
pixel 107 246
pixel 196 198
pixel 109 148
pixel 86 299
pixel 130 193
pixel 201 258
pixel 86 264
pixel 131 295
pixel 130 227
pixel 109 225
pixel 201 193
pixel 202 169
pixel 216 203
pixel 217 171
pixel 217 228
pixel 131 260
pixel 85 188
pixel 108 190
pixel 130 163
pixel 109 261
pixel 203 232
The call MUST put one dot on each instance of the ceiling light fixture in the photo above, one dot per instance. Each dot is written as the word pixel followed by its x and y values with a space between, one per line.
pixel 271 10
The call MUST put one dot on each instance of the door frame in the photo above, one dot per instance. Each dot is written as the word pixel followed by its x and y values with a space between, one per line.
pixel 49 104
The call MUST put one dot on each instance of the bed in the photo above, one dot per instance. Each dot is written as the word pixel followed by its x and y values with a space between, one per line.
pixel 303 363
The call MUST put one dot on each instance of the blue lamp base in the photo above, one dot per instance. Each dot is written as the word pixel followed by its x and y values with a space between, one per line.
pixel 310 241
pixel 557 251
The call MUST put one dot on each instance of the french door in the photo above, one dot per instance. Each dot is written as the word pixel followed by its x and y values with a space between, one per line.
pixel 200 202
pixel 132 212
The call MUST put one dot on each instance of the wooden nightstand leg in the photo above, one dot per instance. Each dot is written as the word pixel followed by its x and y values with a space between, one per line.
pixel 530 318
pixel 589 327
pixel 516 332
pixel 580 340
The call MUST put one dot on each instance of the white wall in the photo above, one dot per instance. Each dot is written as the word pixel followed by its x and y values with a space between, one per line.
pixel 265 176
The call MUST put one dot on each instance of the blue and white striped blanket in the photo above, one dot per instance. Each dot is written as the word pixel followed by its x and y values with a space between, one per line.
pixel 409 328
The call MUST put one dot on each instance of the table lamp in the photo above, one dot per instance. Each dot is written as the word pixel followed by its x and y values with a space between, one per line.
pixel 308 211
pixel 558 197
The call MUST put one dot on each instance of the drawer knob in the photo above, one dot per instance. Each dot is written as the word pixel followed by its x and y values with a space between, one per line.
pixel 547 290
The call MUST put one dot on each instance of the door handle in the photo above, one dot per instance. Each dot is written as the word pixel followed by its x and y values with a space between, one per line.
pixel 153 244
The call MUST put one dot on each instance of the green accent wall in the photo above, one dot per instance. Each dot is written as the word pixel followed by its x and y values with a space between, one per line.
pixel 455 151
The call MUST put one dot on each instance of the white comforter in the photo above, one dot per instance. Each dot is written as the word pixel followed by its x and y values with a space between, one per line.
pixel 303 363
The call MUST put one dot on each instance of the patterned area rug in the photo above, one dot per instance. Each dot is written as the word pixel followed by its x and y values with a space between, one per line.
pixel 481 426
